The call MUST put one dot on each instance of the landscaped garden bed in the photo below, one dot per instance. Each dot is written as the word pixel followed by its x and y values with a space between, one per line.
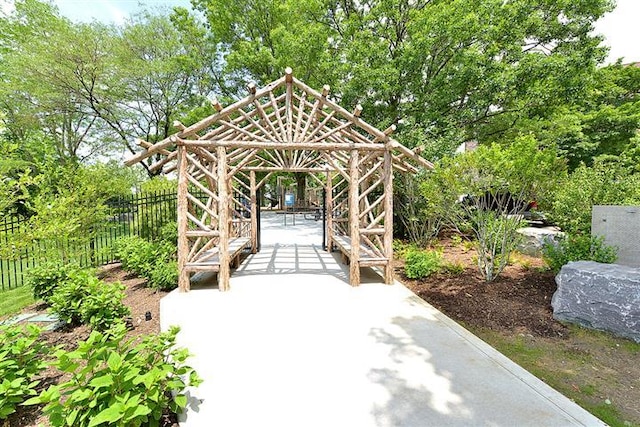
pixel 513 313
pixel 144 304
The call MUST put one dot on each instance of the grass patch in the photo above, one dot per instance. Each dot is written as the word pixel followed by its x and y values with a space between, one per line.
pixel 569 366
pixel 13 300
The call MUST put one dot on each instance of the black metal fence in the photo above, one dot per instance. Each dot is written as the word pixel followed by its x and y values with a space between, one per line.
pixel 141 214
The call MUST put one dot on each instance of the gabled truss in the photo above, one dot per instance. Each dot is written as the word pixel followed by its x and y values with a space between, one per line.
pixel 286 126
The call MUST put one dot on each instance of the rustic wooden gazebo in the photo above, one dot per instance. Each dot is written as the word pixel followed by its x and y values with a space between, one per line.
pixel 286 126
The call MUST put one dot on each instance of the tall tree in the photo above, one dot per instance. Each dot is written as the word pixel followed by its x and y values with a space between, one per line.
pixel 93 87
pixel 455 69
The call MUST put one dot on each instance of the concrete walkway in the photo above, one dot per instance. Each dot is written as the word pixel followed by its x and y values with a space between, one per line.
pixel 292 344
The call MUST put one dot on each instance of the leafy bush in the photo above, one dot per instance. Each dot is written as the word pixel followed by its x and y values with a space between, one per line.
pixel 84 298
pixel 497 237
pixel 117 382
pixel 578 248
pixel 45 278
pixel 164 276
pixel 153 260
pixel 21 360
pixel 497 182
pixel 169 233
pixel 420 264
pixel 454 268
pixel 136 254
pixel 420 221
pixel 603 184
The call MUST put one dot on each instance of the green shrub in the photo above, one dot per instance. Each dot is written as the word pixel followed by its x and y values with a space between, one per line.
pixel 136 254
pixel 46 277
pixel 577 248
pixel 603 184
pixel 420 264
pixel 169 233
pixel 492 177
pixel 117 382
pixel 164 276
pixel 84 298
pixel 454 268
pixel 21 360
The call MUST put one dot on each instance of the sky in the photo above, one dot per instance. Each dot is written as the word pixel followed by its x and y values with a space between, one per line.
pixel 620 27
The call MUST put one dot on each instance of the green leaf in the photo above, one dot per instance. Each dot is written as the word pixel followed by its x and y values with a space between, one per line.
pixel 101 381
pixel 109 415
pixel 114 362
pixel 181 400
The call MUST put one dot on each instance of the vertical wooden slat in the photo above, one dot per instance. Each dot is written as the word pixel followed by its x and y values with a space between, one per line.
pixel 224 202
pixel 254 212
pixel 388 216
pixel 183 226
pixel 354 214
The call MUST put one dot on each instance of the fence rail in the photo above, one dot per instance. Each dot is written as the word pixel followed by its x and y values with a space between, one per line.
pixel 140 214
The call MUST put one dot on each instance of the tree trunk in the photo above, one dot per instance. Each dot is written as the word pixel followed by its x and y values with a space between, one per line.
pixel 301 188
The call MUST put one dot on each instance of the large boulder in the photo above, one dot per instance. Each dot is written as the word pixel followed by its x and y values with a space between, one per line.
pixel 534 238
pixel 599 296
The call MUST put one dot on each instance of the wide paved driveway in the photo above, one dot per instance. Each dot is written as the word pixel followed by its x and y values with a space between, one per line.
pixel 292 344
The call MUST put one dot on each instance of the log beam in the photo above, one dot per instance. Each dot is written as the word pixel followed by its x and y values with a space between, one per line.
pixel 224 202
pixel 354 213
pixel 183 226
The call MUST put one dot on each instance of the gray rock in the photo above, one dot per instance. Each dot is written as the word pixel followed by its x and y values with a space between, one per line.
pixel 535 237
pixel 599 296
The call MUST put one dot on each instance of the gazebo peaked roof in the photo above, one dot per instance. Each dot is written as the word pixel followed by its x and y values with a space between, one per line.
pixel 287 125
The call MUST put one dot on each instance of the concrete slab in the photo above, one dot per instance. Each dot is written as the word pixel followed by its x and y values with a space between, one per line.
pixel 292 344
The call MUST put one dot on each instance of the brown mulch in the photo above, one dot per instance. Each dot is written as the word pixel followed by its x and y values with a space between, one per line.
pixel 139 299
pixel 519 300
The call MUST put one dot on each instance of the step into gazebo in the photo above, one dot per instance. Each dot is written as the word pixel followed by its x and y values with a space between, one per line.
pixel 286 126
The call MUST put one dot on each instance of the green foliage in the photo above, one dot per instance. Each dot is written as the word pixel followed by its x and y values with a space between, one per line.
pixel 454 268
pixel 21 360
pixel 420 221
pixel 83 298
pixel 461 70
pixel 118 382
pixel 153 260
pixel 420 264
pixel 491 178
pixel 578 248
pixel 45 278
pixel 603 184
pixel 497 237
pixel 164 276
pixel 136 254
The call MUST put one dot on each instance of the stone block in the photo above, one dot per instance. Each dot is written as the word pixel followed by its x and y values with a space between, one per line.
pixel 599 296
pixel 535 237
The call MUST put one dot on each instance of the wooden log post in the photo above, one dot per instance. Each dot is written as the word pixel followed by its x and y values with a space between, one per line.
pixel 329 211
pixel 224 203
pixel 388 216
pixel 254 212
pixel 354 219
pixel 183 225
